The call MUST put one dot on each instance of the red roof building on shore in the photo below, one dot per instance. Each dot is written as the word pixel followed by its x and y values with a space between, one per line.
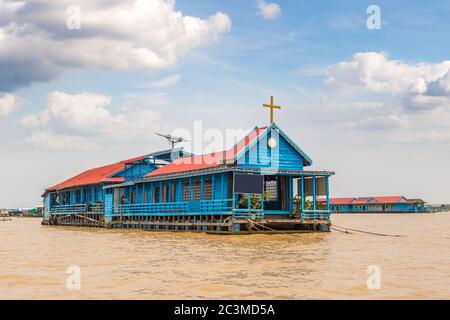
pixel 368 200
pixel 339 200
pixel 376 204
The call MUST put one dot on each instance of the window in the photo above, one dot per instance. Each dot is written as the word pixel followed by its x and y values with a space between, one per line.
pixel 164 193
pixel 186 187
pixel 155 194
pixel 65 198
pixel 78 196
pixel 144 195
pixel 87 195
pixel 197 189
pixel 133 197
pixel 207 189
pixel 271 190
pixel 173 193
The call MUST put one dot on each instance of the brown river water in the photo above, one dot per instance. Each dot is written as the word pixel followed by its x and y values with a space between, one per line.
pixel 135 264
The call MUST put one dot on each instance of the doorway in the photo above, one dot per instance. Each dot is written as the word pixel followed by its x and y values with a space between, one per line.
pixel 273 193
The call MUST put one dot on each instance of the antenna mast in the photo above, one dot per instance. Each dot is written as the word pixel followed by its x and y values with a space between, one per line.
pixel 172 140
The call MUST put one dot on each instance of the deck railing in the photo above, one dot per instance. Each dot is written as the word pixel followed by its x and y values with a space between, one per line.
pixel 77 208
pixel 174 208
pixel 68 208
pixel 248 213
pixel 181 208
pixel 316 215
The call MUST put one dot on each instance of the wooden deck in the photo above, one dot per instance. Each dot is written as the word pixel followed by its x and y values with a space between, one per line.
pixel 219 225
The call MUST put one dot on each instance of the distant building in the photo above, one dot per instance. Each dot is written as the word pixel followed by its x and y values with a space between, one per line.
pixel 33 212
pixel 438 207
pixel 393 204
pixel 15 212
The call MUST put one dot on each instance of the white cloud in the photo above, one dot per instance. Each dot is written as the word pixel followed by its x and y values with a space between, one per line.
pixel 86 120
pixel 80 111
pixel 379 122
pixel 410 102
pixel 123 35
pixel 8 103
pixel 49 140
pixel 374 72
pixel 11 6
pixel 268 11
pixel 166 82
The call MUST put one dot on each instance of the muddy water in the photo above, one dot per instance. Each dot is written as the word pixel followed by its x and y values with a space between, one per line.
pixel 133 264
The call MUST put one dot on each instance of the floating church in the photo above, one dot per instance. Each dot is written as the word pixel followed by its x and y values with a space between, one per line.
pixel 261 184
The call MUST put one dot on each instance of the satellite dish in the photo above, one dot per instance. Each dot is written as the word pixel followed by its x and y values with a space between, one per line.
pixel 172 140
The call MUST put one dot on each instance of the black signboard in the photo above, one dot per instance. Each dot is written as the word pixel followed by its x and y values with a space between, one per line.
pixel 248 183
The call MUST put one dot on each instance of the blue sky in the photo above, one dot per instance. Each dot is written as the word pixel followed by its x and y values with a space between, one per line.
pixel 372 105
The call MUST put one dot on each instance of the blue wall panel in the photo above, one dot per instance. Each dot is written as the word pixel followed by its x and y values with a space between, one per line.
pixel 135 171
pixel 283 156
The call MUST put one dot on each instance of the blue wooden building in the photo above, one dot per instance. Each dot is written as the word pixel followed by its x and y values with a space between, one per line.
pixel 259 185
pixel 386 204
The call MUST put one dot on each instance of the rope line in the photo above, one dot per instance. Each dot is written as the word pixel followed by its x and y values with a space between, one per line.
pixel 278 231
pixel 367 232
pixel 334 227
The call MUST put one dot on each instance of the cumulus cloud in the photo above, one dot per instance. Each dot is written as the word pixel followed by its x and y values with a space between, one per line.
pixel 82 111
pixel 409 102
pixel 85 120
pixel 118 35
pixel 415 85
pixel 268 11
pixel 379 122
pixel 8 103
pixel 48 139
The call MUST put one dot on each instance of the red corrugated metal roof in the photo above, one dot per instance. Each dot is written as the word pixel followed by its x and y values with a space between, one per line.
pixel 368 200
pixel 340 200
pixel 390 199
pixel 96 175
pixel 365 200
pixel 208 160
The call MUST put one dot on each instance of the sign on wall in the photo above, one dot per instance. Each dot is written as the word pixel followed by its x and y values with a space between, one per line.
pixel 248 183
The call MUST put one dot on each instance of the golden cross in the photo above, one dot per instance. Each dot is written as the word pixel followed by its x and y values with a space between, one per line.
pixel 271 106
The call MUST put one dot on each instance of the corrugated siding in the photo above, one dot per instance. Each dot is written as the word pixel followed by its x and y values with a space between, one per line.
pixel 220 186
pixel 100 193
pixel 136 171
pixel 289 158
pixel 284 156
